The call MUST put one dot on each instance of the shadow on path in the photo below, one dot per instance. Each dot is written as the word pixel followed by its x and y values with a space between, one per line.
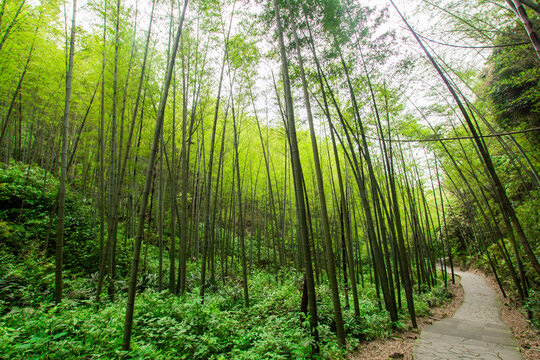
pixel 476 330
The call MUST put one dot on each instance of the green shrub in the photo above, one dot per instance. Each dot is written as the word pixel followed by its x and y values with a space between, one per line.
pixel 532 307
pixel 168 327
pixel 27 198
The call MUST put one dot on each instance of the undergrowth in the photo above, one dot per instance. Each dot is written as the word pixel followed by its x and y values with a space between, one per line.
pixel 166 326
pixel 172 327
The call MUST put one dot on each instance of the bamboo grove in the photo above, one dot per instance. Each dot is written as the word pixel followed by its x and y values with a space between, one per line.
pixel 280 135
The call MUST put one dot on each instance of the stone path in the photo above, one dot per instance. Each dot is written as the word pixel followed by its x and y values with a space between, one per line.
pixel 476 330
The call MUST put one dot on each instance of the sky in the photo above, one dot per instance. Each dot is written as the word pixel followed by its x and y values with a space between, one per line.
pixel 413 10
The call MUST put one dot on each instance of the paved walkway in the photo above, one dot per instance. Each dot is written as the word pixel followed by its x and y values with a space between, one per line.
pixel 476 330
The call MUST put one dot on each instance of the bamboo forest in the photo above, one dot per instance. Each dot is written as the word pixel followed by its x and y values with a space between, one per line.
pixel 266 179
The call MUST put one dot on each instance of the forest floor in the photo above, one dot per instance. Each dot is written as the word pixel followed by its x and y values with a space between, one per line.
pixel 400 345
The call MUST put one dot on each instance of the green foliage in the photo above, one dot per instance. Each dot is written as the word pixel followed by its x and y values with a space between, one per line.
pixel 25 281
pixel 513 82
pixel 529 216
pixel 437 296
pixel 170 327
pixel 27 234
pixel 373 322
pixel 27 194
pixel 167 327
pixel 220 328
pixel 532 307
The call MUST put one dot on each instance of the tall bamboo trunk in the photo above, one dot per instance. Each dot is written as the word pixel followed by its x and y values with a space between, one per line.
pixel 59 284
pixel 297 177
pixel 130 307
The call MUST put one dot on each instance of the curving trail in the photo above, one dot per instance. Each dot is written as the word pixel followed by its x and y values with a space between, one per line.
pixel 476 330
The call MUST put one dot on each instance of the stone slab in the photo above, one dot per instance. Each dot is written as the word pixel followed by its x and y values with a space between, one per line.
pixel 476 330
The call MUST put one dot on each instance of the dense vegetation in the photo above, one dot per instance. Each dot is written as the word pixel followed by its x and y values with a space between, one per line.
pixel 208 180
pixel 167 326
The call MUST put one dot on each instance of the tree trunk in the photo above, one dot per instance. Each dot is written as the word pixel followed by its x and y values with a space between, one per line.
pixel 297 177
pixel 520 11
pixel 500 193
pixel 331 267
pixel 130 307
pixel 63 172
